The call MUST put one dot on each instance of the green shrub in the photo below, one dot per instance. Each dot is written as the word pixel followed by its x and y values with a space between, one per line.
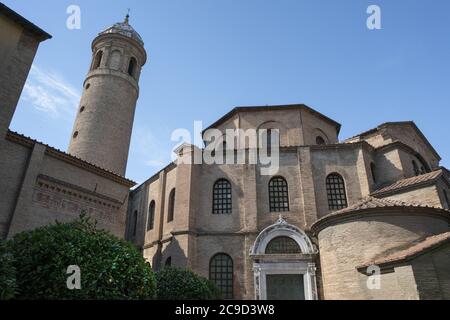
pixel 182 284
pixel 111 268
pixel 8 285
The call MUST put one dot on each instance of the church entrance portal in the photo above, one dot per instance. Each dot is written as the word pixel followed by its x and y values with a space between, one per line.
pixel 283 264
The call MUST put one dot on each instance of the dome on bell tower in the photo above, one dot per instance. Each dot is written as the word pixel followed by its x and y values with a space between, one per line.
pixel 125 29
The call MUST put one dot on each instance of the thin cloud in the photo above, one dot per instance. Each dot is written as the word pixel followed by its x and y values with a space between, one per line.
pixel 149 150
pixel 50 93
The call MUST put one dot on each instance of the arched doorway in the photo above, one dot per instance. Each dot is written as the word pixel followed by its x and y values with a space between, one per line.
pixel 283 264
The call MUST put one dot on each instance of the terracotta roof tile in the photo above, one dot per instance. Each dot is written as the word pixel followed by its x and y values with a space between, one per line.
pixel 412 251
pixel 409 182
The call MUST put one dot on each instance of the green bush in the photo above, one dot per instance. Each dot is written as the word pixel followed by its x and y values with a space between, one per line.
pixel 8 286
pixel 111 268
pixel 182 284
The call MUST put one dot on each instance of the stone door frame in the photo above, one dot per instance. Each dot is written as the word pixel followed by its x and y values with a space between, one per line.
pixel 266 264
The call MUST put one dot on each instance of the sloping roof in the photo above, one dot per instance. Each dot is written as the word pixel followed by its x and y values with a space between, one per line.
pixel 29 142
pixel 408 183
pixel 396 123
pixel 272 108
pixel 371 204
pixel 414 250
pixel 40 34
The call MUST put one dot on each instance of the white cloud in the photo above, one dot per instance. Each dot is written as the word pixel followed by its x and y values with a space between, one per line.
pixel 50 93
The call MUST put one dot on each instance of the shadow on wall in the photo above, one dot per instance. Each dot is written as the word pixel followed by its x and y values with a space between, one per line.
pixel 172 255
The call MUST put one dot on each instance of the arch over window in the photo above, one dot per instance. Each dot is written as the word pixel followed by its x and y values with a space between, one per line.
pixel 168 262
pixel 283 245
pixel 132 66
pixel 171 207
pixel 320 140
pixel 373 171
pixel 337 198
pixel 97 60
pixel 221 273
pixel 222 201
pixel 151 216
pixel 135 218
pixel 278 194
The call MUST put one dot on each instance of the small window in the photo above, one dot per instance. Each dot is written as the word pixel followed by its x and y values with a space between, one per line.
pixel 151 216
pixel 415 168
pixel 168 262
pixel 373 171
pixel 320 140
pixel 75 134
pixel 335 186
pixel 221 273
pixel 82 109
pixel 278 195
pixel 283 245
pixel 97 60
pixel 132 67
pixel 222 197
pixel 88 85
pixel 171 206
pixel 447 201
pixel 135 220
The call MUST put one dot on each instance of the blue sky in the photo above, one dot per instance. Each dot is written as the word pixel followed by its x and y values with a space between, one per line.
pixel 207 56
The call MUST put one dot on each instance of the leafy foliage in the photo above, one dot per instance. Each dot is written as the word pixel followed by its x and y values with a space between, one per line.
pixel 183 284
pixel 111 268
pixel 8 285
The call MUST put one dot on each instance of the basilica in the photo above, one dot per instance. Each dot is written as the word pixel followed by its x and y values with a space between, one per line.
pixel 365 217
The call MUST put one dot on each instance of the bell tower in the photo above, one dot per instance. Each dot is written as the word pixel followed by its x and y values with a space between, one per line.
pixel 102 130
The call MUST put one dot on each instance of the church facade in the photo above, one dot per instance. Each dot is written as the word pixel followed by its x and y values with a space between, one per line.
pixel 362 218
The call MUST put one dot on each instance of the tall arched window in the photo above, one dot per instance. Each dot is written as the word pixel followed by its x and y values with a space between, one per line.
pixel 278 195
pixel 221 273
pixel 337 198
pixel 135 218
pixel 373 171
pixel 97 60
pixel 283 245
pixel 132 67
pixel 168 262
pixel 171 207
pixel 222 197
pixel 415 168
pixel 151 216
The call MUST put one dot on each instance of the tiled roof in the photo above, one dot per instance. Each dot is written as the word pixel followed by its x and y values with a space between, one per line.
pixel 371 203
pixel 410 252
pixel 20 138
pixel 409 182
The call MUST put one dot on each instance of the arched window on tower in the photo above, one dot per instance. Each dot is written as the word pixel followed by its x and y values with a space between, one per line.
pixel 171 207
pixel 132 67
pixel 278 194
pixel 97 60
pixel 168 262
pixel 222 197
pixel 151 216
pixel 337 198
pixel 221 273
